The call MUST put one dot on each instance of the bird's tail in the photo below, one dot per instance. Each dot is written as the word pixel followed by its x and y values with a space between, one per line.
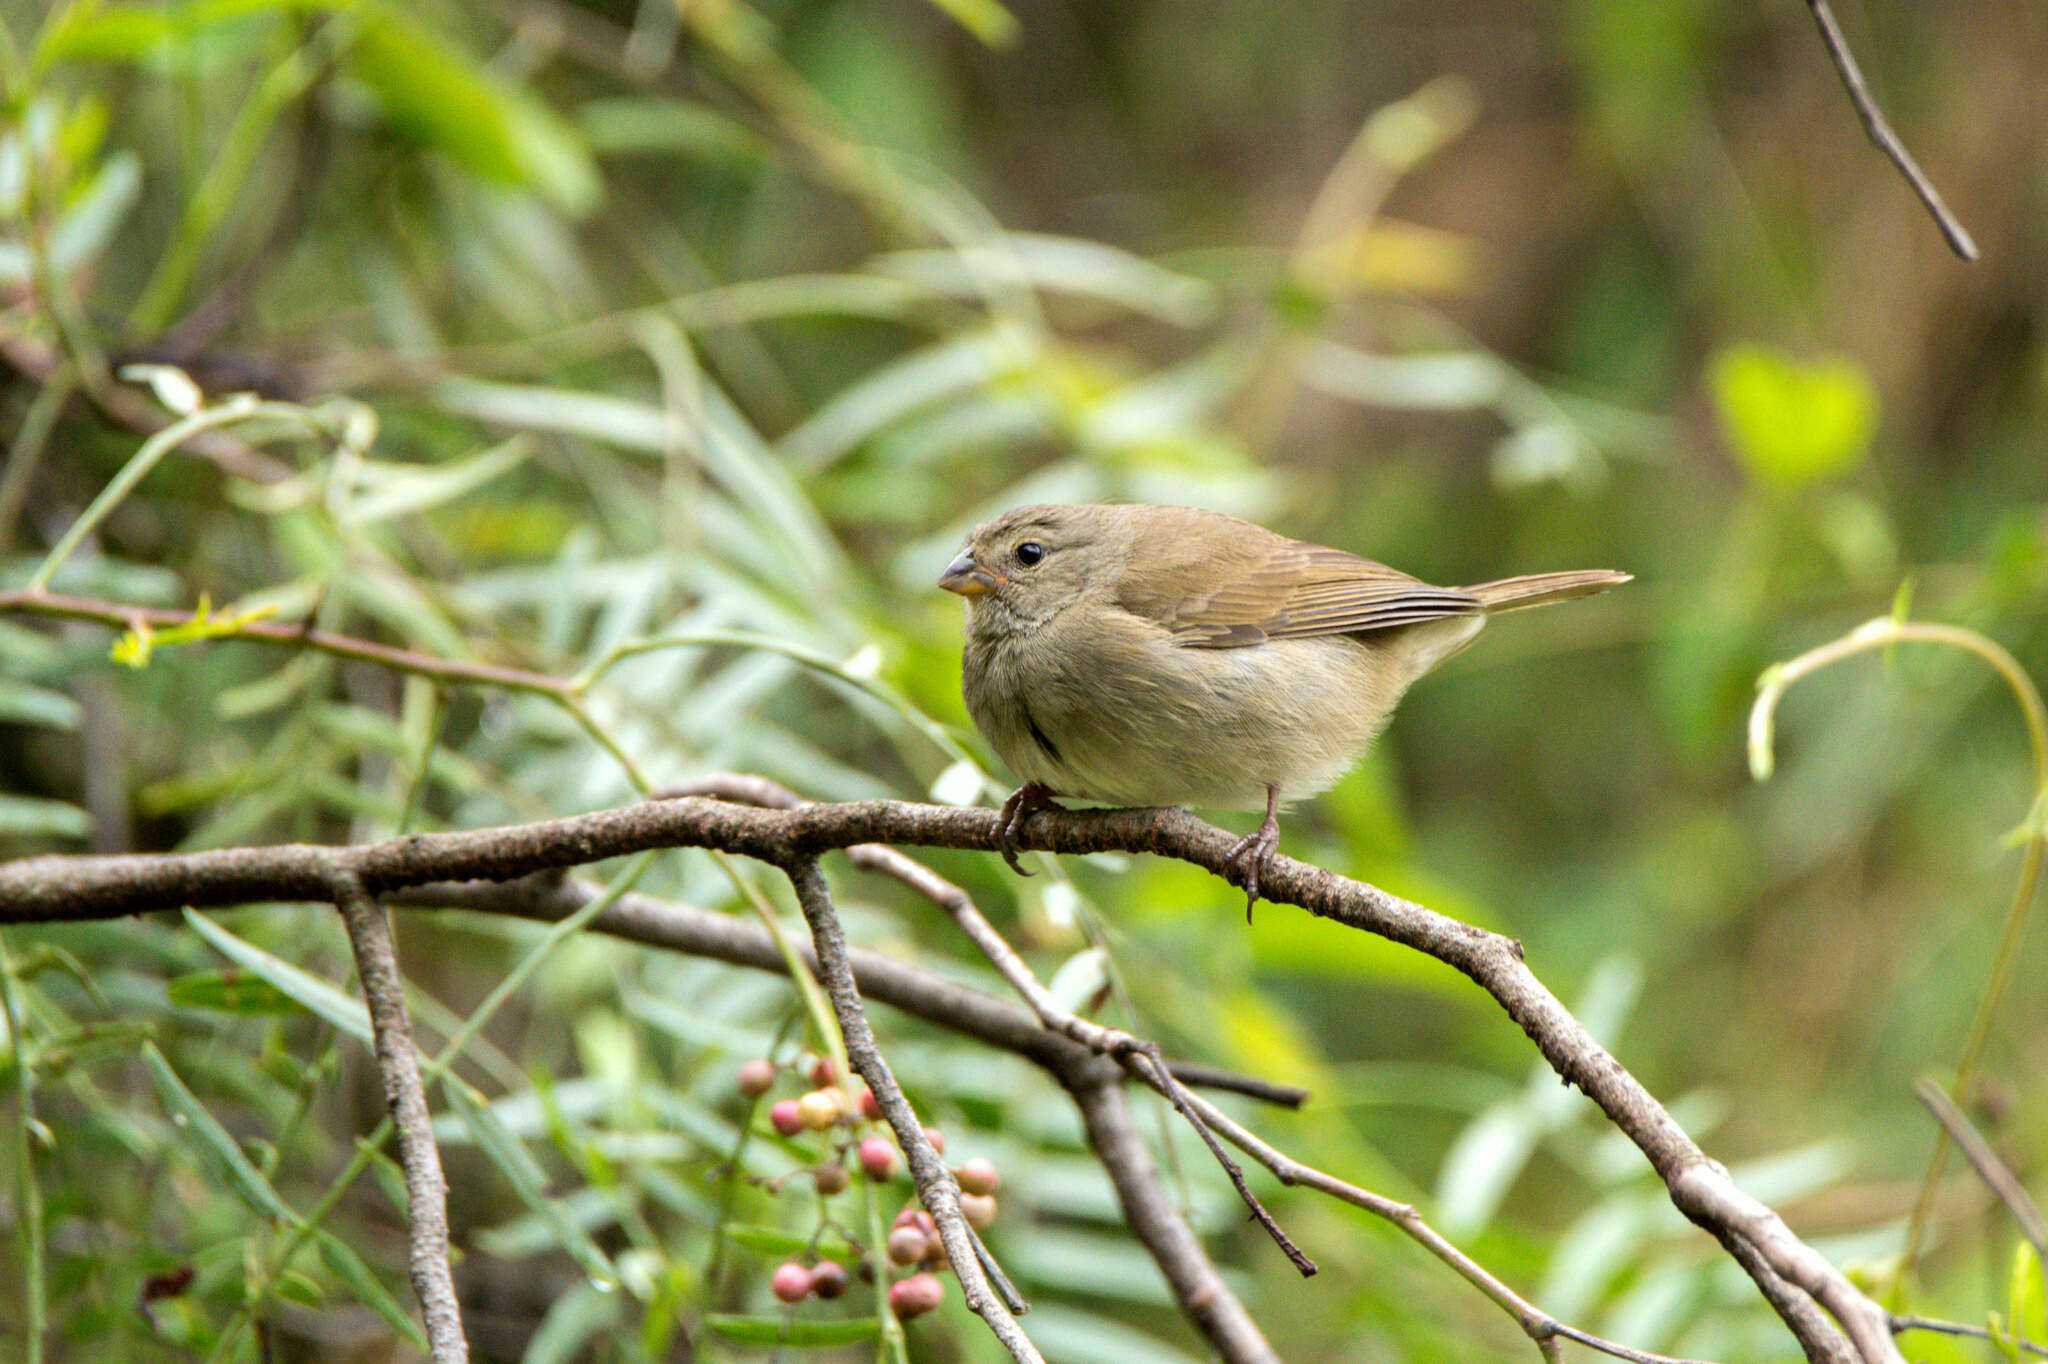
pixel 1541 589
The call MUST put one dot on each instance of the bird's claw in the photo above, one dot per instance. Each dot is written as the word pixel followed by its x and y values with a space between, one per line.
pixel 1253 854
pixel 1024 802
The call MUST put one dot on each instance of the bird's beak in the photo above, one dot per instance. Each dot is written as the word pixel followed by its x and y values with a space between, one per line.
pixel 967 577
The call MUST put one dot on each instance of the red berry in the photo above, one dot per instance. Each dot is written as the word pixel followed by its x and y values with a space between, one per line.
pixel 756 1077
pixel 878 1159
pixel 786 1117
pixel 977 1175
pixel 915 1296
pixel 870 1107
pixel 791 1283
pixel 906 1245
pixel 823 1072
pixel 828 1279
pixel 831 1178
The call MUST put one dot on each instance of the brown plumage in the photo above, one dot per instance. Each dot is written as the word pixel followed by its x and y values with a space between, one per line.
pixel 1149 655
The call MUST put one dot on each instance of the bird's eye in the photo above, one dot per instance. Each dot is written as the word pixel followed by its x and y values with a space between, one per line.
pixel 1029 553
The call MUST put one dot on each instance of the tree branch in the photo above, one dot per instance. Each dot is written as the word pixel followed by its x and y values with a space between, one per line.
pixel 58 888
pixel 426 1188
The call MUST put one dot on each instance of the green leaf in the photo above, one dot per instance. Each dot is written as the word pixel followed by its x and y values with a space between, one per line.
pixel 1793 422
pixel 228 990
pixel 742 1330
pixel 215 1147
pixel 442 98
pixel 2027 1294
pixel 391 490
pixel 987 20
pixel 318 997
pixel 774 1242
pixel 651 125
pixel 37 817
pixel 369 1290
pixel 517 1166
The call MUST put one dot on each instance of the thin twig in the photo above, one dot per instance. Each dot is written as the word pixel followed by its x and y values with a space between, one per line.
pixel 1903 1324
pixel 936 1186
pixel 1881 133
pixel 122 616
pixel 1203 1295
pixel 2001 1181
pixel 426 1188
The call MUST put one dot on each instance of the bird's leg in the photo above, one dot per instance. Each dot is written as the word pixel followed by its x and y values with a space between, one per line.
pixel 1254 852
pixel 1025 801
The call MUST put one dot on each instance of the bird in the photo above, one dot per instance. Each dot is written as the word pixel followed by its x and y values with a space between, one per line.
pixel 1150 655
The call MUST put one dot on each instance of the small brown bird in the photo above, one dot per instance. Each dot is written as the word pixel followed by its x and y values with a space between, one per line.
pixel 1146 655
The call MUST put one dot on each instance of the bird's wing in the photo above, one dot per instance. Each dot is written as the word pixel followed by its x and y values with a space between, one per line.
pixel 1277 589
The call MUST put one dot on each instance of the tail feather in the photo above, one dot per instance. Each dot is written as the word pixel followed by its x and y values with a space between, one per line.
pixel 1541 589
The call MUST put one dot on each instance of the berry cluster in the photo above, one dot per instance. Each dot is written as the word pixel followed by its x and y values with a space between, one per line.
pixel 913 1243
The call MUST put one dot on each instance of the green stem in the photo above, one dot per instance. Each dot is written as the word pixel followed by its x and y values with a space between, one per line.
pixel 241 407
pixel 1882 633
pixel 28 1192
pixel 216 191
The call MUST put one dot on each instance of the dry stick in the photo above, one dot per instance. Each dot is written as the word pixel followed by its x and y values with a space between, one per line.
pixel 2025 1212
pixel 426 1189
pixel 97 887
pixel 936 1186
pixel 1881 132
pixel 1098 1092
pixel 1537 1324
pixel 1141 1058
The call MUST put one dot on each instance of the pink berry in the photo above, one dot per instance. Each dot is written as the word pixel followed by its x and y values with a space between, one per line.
pixel 791 1283
pixel 977 1175
pixel 905 1246
pixel 978 1209
pixel 870 1107
pixel 786 1116
pixel 936 1138
pixel 820 1108
pixel 915 1296
pixel 823 1072
pixel 756 1077
pixel 878 1159
pixel 828 1279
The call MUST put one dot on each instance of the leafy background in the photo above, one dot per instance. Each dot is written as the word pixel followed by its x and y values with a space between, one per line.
pixel 710 328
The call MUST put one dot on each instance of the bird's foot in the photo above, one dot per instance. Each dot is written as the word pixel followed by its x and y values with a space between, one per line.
pixel 1253 854
pixel 1024 802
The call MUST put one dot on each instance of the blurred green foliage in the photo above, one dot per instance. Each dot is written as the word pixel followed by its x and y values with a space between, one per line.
pixel 673 347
